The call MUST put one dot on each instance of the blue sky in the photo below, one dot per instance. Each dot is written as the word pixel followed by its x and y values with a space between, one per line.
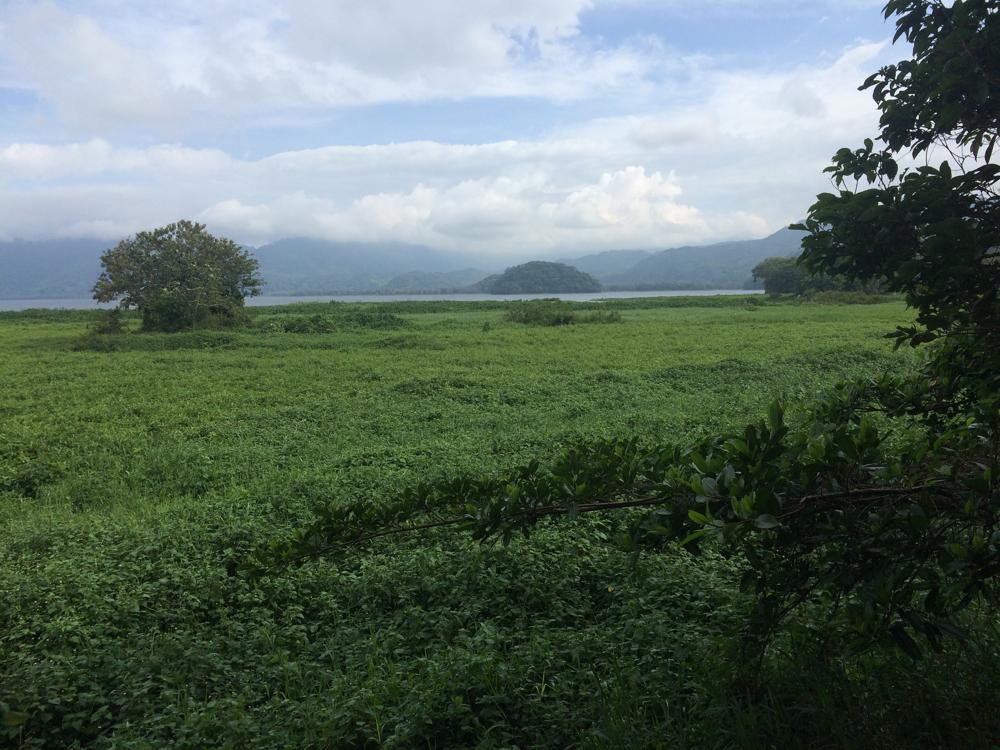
pixel 488 126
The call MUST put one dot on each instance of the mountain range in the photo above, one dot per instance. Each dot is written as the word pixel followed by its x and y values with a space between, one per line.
pixel 303 266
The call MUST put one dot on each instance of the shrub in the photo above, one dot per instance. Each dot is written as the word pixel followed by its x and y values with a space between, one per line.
pixel 109 322
pixel 602 316
pixel 376 319
pixel 544 312
pixel 307 324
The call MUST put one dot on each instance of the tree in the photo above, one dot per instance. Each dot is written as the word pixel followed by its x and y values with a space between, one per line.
pixel 884 509
pixel 791 276
pixel 780 275
pixel 179 277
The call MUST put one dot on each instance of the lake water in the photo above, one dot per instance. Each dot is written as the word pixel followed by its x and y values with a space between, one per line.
pixel 89 304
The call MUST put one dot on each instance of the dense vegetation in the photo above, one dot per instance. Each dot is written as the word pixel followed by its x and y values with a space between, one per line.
pixel 539 277
pixel 133 482
pixel 788 276
pixel 880 509
pixel 232 559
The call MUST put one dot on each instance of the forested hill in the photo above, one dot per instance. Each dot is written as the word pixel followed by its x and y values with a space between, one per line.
pixel 51 268
pixel 539 277
pixel 608 263
pixel 309 266
pixel 725 265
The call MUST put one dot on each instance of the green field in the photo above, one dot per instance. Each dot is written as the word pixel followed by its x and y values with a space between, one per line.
pixel 138 471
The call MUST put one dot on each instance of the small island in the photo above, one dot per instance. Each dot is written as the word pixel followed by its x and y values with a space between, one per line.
pixel 539 277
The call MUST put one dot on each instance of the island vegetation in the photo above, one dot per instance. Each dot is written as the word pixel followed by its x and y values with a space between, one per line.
pixel 539 277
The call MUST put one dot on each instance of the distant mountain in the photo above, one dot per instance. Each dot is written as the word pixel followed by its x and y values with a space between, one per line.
pixel 51 268
pixel 725 265
pixel 608 263
pixel 539 277
pixel 69 268
pixel 308 266
pixel 434 281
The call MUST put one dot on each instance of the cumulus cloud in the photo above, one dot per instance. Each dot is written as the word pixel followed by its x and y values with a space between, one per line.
pixel 740 159
pixel 627 208
pixel 689 149
pixel 182 66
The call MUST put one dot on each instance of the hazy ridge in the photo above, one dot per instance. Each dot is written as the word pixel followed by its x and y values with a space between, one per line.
pixel 68 268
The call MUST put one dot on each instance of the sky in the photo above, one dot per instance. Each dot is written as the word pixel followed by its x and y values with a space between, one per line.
pixel 493 127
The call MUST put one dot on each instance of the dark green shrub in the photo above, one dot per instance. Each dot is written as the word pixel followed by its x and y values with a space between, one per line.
pixel 310 324
pixel 92 341
pixel 602 316
pixel 109 322
pixel 375 319
pixel 543 312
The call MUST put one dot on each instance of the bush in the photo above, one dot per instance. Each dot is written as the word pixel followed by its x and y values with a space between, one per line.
pixel 376 319
pixel 110 322
pixel 545 312
pixel 92 341
pixel 602 316
pixel 307 324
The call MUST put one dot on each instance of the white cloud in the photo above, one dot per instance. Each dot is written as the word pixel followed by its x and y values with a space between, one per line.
pixel 400 36
pixel 184 66
pixel 729 153
pixel 43 162
pixel 504 215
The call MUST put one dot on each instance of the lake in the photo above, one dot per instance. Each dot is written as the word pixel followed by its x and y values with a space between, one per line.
pixel 89 304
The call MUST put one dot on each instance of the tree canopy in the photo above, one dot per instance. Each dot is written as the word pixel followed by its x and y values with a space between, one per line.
pixel 780 275
pixel 881 506
pixel 179 277
pixel 540 277
pixel 783 275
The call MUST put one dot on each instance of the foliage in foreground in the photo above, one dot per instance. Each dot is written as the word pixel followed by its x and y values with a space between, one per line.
pixel 892 540
pixel 131 481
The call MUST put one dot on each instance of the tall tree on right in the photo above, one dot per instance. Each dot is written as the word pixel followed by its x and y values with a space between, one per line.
pixel 930 227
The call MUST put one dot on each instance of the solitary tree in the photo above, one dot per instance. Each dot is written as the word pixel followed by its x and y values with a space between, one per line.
pixel 179 277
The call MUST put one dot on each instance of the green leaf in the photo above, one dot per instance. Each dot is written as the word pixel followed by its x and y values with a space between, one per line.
pixel 14 719
pixel 699 517
pixel 693 536
pixel 766 521
pixel 904 641
pixel 775 416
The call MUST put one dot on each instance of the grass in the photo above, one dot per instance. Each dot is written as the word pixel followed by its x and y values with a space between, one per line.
pixel 137 470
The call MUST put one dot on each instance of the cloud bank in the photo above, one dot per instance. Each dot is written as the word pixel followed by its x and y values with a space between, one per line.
pixel 693 149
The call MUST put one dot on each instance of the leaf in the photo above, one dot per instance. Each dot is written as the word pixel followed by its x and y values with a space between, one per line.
pixel 14 719
pixel 775 416
pixel 693 536
pixel 904 641
pixel 766 521
pixel 699 517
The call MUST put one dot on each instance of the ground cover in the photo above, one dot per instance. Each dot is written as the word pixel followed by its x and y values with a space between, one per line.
pixel 138 471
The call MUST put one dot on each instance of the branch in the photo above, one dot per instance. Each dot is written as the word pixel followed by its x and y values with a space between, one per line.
pixel 806 502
